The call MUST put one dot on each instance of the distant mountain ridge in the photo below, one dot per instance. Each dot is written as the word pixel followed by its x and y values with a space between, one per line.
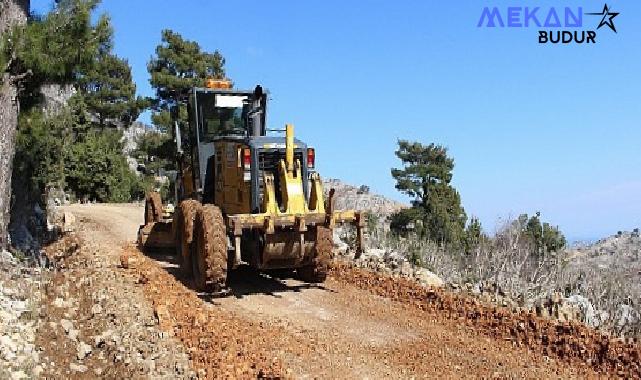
pixel 623 244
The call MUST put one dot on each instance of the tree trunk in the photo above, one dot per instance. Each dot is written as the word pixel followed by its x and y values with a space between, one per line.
pixel 12 12
pixel 8 122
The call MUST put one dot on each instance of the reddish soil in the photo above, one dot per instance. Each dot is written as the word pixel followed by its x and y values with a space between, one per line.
pixel 357 324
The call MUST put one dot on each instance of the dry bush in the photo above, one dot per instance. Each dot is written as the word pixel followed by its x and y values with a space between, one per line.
pixel 613 291
pixel 508 264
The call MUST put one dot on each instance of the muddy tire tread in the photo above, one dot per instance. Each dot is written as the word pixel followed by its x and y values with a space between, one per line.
pixel 211 230
pixel 185 217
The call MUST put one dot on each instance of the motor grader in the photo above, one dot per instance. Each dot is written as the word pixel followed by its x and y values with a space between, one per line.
pixel 244 195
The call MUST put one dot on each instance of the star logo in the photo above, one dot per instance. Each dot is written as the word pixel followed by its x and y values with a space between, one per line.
pixel 606 18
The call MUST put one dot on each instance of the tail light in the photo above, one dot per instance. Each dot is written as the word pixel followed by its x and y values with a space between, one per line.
pixel 247 158
pixel 311 158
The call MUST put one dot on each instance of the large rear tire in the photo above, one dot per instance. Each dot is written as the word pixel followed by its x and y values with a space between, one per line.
pixel 209 260
pixel 317 271
pixel 153 207
pixel 184 224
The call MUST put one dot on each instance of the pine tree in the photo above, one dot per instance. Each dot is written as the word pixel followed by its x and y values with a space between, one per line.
pixel 543 237
pixel 65 46
pixel 59 47
pixel 110 92
pixel 179 65
pixel 474 235
pixel 426 176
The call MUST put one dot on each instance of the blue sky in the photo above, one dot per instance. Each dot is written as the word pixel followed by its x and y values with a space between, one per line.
pixel 553 128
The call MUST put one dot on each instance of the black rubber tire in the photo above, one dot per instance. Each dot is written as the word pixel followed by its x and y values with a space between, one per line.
pixel 153 207
pixel 317 271
pixel 210 259
pixel 184 226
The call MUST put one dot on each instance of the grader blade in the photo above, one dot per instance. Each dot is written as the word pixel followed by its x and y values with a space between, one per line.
pixel 157 233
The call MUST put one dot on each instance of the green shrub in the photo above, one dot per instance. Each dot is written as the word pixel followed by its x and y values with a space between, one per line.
pixel 97 169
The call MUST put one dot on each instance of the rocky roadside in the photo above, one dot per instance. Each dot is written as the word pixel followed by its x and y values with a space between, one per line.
pixel 552 306
pixel 80 317
pixel 20 305
pixel 95 322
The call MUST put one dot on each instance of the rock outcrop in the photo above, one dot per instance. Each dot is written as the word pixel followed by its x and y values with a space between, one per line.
pixel 360 198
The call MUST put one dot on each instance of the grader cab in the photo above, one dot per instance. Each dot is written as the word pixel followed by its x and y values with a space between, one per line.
pixel 244 197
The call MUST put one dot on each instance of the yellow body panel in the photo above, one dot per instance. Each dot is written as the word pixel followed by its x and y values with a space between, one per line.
pixel 291 181
pixel 289 147
pixel 231 192
pixel 316 194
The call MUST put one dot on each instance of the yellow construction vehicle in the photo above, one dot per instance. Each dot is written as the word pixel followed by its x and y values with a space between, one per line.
pixel 243 196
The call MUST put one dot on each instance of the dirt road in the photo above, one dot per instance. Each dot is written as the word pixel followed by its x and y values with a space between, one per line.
pixel 282 327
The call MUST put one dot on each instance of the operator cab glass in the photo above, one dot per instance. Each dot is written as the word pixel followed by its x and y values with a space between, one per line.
pixel 225 112
pixel 221 115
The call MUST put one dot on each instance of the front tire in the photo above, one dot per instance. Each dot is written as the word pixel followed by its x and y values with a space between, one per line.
pixel 185 217
pixel 209 261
